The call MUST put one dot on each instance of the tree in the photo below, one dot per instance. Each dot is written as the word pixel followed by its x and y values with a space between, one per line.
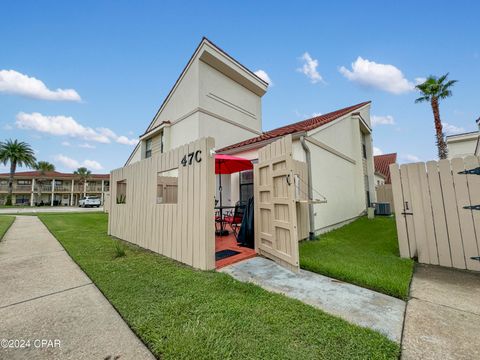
pixel 17 153
pixel 83 174
pixel 43 167
pixel 433 90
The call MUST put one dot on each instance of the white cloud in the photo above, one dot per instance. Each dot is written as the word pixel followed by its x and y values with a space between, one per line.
pixel 411 158
pixel 309 68
pixel 126 141
pixel 420 80
pixel 66 143
pixel 262 74
pixel 61 125
pixel 315 114
pixel 87 146
pixel 75 164
pixel 450 129
pixel 381 76
pixel 92 164
pixel 13 82
pixel 7 127
pixel 66 161
pixel 377 151
pixel 382 120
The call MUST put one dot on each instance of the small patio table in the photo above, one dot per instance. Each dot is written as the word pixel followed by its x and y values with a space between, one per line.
pixel 222 231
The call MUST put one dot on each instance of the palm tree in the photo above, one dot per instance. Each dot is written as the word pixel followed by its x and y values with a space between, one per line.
pixel 433 90
pixel 18 153
pixel 43 167
pixel 83 174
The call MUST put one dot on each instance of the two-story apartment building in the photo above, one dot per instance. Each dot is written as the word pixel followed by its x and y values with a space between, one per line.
pixel 52 188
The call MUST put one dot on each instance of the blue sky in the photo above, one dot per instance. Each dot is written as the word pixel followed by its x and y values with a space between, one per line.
pixel 115 61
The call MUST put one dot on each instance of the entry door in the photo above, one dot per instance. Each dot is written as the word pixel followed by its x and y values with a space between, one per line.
pixel 275 205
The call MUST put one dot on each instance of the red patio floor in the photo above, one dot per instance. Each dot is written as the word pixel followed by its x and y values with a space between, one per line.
pixel 229 242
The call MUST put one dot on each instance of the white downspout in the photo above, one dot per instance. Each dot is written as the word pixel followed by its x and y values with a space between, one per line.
pixel 311 233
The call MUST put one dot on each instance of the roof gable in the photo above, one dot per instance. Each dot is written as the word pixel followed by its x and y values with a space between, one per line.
pixel 213 55
pixel 301 126
pixel 382 165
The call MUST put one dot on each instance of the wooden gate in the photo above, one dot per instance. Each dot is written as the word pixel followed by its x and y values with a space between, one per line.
pixel 276 234
pixel 437 207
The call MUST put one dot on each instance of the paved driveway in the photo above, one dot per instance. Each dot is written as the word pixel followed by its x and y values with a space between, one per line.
pixel 443 315
pixel 51 307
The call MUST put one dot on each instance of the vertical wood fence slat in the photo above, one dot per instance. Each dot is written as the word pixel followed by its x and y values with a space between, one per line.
pixel 418 217
pixel 473 181
pixel 451 214
pixel 438 212
pixel 408 207
pixel 428 215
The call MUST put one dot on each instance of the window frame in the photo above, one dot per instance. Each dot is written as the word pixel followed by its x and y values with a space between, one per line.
pixel 148 148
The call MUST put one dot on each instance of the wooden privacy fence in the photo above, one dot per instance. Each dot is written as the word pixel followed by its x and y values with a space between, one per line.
pixel 145 211
pixel 385 194
pixel 437 207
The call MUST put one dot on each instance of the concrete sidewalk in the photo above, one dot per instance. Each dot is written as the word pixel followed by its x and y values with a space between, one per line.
pixel 443 315
pixel 51 306
pixel 355 304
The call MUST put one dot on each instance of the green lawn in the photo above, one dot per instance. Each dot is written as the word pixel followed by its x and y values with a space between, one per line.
pixel 181 313
pixel 365 253
pixel 5 222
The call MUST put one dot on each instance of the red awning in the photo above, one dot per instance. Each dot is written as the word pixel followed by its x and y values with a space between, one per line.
pixel 227 164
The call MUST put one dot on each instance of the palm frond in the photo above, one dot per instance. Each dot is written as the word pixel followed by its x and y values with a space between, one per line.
pixel 422 99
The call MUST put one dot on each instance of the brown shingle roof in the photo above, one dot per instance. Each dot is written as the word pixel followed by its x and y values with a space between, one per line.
pixel 52 174
pixel 382 164
pixel 304 125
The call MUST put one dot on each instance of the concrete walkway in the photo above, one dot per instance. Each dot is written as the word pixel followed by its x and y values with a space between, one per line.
pixel 443 315
pixel 46 297
pixel 357 305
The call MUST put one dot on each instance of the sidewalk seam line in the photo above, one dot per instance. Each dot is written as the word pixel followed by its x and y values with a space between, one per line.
pixel 447 306
pixel 45 295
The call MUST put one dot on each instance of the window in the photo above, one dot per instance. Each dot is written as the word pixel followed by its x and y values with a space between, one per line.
pixel 167 187
pixel 24 182
pixel 122 192
pixel 148 148
pixel 364 151
pixel 22 199
pixel 246 186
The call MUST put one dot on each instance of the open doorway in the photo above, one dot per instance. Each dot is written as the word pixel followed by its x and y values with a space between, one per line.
pixel 234 232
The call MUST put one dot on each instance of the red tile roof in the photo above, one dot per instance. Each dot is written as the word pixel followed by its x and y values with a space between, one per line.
pixel 52 174
pixel 304 125
pixel 382 163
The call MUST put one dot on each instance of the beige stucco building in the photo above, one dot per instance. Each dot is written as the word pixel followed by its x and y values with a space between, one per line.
pixel 465 144
pixel 52 188
pixel 217 96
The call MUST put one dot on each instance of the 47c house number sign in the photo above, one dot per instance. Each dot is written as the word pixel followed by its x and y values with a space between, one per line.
pixel 190 158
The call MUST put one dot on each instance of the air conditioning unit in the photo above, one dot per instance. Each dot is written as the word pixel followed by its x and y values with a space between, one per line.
pixel 383 208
